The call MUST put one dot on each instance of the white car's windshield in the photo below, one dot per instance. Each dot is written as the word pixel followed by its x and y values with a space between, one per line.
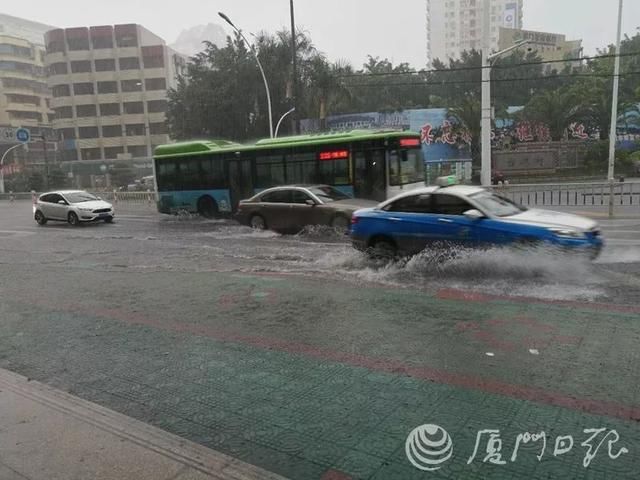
pixel 80 197
pixel 496 205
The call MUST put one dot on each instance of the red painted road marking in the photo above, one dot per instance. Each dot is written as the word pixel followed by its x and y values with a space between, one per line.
pixel 465 296
pixel 335 475
pixel 520 392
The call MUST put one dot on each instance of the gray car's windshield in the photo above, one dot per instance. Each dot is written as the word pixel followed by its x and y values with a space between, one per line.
pixel 496 205
pixel 80 197
pixel 328 194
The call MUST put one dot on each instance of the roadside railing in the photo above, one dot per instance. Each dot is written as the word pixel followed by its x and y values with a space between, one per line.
pixel 128 198
pixel 572 194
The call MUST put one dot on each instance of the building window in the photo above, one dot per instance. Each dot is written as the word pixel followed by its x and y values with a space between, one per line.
pixel 156 61
pixel 61 91
pixel 88 132
pixel 158 128
pixel 70 155
pixel 105 65
pixel 111 153
pixel 64 112
pixel 83 89
pixel 76 44
pixel 23 99
pixel 100 42
pixel 133 107
pixel 67 133
pixel 155 84
pixel 111 131
pixel 19 115
pixel 135 130
pixel 126 35
pixel 138 151
pixel 58 69
pixel 107 109
pixel 157 106
pixel 81 66
pixel 131 85
pixel 107 87
pixel 86 110
pixel 90 153
pixel 129 63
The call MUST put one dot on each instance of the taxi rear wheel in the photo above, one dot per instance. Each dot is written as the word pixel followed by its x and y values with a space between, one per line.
pixel 383 248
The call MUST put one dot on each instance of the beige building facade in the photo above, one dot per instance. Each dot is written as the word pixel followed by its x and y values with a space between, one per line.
pixel 109 91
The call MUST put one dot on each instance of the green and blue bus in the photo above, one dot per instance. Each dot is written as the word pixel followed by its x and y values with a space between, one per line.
pixel 211 177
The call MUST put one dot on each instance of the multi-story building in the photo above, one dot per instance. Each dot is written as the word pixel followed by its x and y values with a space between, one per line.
pixel 109 86
pixel 551 47
pixel 454 26
pixel 24 94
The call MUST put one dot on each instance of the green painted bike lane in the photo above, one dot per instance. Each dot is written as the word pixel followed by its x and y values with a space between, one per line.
pixel 296 376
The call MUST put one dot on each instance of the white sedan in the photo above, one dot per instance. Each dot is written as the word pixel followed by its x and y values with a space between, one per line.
pixel 73 206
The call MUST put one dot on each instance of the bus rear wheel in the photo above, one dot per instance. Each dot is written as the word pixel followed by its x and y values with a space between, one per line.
pixel 207 207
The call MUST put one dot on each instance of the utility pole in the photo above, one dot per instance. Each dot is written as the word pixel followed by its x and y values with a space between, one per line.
pixel 485 175
pixel 294 79
pixel 613 134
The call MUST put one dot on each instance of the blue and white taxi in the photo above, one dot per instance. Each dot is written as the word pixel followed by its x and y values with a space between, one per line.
pixel 451 214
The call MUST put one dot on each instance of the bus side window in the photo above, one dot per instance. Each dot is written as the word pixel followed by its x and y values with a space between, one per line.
pixel 270 171
pixel 167 175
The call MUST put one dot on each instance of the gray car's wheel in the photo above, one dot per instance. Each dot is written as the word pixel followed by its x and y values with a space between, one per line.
pixel 73 219
pixel 257 222
pixel 340 222
pixel 40 218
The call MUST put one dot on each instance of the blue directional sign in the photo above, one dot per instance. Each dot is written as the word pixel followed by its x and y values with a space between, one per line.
pixel 23 135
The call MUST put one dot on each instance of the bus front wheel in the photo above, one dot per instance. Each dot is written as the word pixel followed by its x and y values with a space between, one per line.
pixel 207 207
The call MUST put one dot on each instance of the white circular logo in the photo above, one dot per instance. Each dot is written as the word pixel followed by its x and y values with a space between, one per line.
pixel 428 447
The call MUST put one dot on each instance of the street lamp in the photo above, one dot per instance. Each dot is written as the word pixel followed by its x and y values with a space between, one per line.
pixel 487 59
pixel 2 164
pixel 294 73
pixel 255 54
pixel 281 119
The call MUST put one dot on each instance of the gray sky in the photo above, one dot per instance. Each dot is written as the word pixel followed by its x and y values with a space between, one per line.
pixel 348 29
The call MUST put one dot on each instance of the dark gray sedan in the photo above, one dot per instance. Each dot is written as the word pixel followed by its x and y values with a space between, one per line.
pixel 291 208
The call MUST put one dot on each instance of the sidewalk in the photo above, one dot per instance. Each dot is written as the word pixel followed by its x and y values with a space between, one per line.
pixel 46 434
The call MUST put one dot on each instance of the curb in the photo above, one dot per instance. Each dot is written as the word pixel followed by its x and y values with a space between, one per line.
pixel 216 465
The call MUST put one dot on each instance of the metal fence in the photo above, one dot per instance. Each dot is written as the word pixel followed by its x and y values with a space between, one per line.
pixel 128 198
pixel 572 194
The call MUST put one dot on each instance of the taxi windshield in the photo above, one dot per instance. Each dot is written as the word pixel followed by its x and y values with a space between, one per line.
pixel 497 205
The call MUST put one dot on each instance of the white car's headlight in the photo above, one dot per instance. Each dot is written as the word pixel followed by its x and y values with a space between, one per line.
pixel 567 233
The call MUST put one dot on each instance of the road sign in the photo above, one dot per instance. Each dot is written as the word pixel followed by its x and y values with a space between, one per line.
pixel 23 135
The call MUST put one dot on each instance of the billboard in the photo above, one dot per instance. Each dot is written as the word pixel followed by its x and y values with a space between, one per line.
pixel 510 15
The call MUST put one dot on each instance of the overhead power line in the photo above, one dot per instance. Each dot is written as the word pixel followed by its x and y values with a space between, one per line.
pixel 479 67
pixel 474 82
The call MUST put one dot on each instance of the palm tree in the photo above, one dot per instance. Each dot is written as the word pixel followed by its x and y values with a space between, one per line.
pixel 557 109
pixel 468 112
pixel 328 91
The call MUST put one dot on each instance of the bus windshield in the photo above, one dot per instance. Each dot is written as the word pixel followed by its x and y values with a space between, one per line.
pixel 406 167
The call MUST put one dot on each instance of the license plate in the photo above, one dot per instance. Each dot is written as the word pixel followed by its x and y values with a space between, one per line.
pixel 103 215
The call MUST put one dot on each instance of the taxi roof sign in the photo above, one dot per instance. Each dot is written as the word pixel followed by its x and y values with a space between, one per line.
pixel 449 181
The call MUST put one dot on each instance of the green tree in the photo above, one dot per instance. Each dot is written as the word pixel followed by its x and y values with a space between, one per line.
pixel 467 111
pixel 557 109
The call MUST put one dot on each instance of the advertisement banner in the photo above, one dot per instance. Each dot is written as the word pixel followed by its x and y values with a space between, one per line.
pixel 510 15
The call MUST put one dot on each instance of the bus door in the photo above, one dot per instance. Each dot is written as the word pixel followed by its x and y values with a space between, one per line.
pixel 369 175
pixel 240 181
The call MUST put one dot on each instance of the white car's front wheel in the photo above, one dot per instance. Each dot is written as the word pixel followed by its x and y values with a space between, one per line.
pixel 40 218
pixel 73 219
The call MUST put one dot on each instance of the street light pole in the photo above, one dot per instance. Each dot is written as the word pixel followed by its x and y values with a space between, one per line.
pixel 255 54
pixel 281 119
pixel 294 62
pixel 2 164
pixel 485 174
pixel 487 60
pixel 613 134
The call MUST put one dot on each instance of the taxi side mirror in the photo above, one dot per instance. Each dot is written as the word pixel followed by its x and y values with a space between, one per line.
pixel 474 215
